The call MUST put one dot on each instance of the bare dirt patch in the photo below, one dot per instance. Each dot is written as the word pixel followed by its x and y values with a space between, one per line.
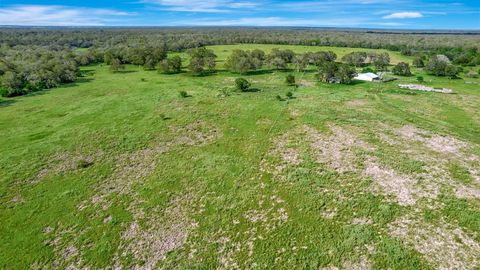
pixel 411 133
pixel 17 200
pixel 130 168
pixel 134 167
pixel 258 222
pixel 264 122
pixel 441 144
pixel 294 113
pixel 464 192
pixel 443 245
pixel 361 221
pixel 329 213
pixel 405 188
pixel 66 162
pixel 336 150
pixel 67 254
pixel 437 152
pixel 306 83
pixel 361 264
pixel 163 230
pixel 286 151
pixel 444 144
pixel 196 133
pixel 357 103
pixel 291 156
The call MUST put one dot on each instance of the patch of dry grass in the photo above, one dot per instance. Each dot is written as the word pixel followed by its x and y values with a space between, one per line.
pixel 443 245
pixel 134 167
pixel 162 231
pixel 437 152
pixel 405 189
pixel 336 150
pixel 66 162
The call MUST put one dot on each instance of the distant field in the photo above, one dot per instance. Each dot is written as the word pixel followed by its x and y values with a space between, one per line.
pixel 223 51
pixel 119 170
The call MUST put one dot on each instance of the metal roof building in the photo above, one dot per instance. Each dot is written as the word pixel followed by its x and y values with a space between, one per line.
pixel 367 77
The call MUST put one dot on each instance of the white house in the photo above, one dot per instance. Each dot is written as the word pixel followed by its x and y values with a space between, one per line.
pixel 369 77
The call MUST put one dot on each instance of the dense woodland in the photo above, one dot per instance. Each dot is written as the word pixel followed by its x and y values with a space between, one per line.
pixel 36 59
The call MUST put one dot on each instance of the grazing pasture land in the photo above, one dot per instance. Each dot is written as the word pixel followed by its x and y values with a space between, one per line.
pixel 120 170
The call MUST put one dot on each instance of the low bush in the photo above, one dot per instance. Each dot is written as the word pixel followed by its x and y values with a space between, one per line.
pixel 242 84
pixel 183 94
pixel 367 70
pixel 290 80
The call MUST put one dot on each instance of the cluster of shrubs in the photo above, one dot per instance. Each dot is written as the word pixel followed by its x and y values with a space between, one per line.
pixel 359 59
pixel 140 55
pixel 170 65
pixel 201 60
pixel 402 69
pixel 329 71
pixel 242 62
pixel 440 65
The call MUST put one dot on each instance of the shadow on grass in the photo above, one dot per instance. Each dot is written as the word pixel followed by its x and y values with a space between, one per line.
pixel 172 73
pixel 205 73
pixel 86 72
pixel 259 72
pixel 284 70
pixel 357 82
pixel 6 102
pixel 309 71
pixel 251 90
pixel 77 82
pixel 124 71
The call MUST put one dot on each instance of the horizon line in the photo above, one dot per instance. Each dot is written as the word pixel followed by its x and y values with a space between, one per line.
pixel 476 30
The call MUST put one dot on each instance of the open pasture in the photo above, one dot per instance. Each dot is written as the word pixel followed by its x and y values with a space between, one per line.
pixel 118 170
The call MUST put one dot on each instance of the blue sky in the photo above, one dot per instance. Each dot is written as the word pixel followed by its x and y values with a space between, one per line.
pixel 402 14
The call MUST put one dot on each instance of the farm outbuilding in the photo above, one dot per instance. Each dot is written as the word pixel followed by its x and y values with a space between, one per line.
pixel 369 77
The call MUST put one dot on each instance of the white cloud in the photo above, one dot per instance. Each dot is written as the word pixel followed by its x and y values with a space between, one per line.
pixel 403 15
pixel 211 6
pixel 52 15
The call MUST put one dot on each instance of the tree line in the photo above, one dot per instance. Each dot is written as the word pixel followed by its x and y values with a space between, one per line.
pixel 32 69
pixel 179 39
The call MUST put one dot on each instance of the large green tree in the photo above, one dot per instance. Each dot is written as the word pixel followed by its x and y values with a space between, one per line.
pixel 402 69
pixel 356 59
pixel 201 59
pixel 170 65
pixel 240 62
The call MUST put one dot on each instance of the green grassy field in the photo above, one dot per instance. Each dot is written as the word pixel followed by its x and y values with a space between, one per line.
pixel 119 170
